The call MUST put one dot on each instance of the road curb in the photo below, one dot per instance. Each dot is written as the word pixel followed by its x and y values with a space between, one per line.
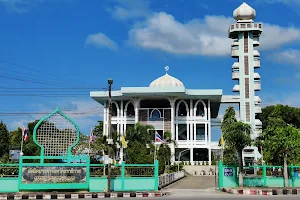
pixel 283 191
pixel 81 195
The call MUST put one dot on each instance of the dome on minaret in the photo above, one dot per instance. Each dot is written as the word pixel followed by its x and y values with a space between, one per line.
pixel 244 12
pixel 166 81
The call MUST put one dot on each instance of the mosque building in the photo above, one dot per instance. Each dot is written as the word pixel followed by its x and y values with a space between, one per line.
pixel 190 114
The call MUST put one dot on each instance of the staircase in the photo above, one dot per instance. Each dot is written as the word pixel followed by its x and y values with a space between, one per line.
pixel 181 130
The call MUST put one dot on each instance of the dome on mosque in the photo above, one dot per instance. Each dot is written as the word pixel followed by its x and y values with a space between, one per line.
pixel 244 12
pixel 166 81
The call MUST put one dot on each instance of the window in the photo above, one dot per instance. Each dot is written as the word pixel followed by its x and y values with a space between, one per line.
pixel 114 111
pixel 182 132
pixel 155 114
pixel 200 132
pixel 200 109
pixel 130 112
pixel 182 109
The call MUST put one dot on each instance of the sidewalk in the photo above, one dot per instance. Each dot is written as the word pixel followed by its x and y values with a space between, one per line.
pixel 262 191
pixel 63 195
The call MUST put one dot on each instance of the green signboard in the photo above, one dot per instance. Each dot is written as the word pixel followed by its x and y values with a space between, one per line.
pixel 53 174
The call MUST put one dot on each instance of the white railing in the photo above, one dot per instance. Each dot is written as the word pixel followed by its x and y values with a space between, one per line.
pixel 167 179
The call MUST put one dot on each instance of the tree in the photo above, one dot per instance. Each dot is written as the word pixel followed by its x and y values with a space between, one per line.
pixel 282 140
pixel 236 136
pixel 140 144
pixel 289 114
pixel 4 138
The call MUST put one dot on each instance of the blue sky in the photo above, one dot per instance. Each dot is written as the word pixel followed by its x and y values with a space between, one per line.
pixel 79 44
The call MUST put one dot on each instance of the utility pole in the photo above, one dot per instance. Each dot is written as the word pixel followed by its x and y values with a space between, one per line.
pixel 109 138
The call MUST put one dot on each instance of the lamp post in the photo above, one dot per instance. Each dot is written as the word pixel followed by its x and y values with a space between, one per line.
pixel 180 156
pixel 109 138
pixel 262 155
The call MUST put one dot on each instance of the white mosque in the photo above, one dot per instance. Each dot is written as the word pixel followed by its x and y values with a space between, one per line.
pixel 189 114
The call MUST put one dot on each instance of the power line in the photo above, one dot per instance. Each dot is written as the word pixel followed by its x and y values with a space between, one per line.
pixel 43 72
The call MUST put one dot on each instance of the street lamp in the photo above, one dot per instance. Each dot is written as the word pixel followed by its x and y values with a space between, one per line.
pixel 109 139
pixel 180 156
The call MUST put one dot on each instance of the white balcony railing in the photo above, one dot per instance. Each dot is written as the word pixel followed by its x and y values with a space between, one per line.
pixel 256 63
pixel 256 76
pixel 236 88
pixel 257 100
pixel 258 109
pixel 234 52
pixel 257 86
pixel 255 41
pixel 235 65
pixel 256 53
pixel 235 75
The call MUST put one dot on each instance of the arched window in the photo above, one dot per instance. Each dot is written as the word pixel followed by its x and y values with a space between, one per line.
pixel 130 112
pixel 182 109
pixel 114 110
pixel 200 110
pixel 155 114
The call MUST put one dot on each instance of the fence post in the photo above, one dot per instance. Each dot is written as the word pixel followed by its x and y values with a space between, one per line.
pixel 123 176
pixel 292 175
pixel 220 174
pixel 156 174
pixel 265 174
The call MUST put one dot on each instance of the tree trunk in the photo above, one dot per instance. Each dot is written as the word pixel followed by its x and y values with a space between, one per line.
pixel 285 171
pixel 241 180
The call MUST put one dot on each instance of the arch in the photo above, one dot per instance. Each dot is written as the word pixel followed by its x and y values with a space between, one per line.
pixel 115 109
pixel 157 114
pixel 129 112
pixel 178 106
pixel 197 113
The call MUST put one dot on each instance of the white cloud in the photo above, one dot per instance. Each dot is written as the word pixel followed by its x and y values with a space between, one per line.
pixel 130 9
pixel 101 40
pixel 206 36
pixel 288 56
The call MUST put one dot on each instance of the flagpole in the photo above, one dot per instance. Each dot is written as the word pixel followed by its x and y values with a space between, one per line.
pixel 21 153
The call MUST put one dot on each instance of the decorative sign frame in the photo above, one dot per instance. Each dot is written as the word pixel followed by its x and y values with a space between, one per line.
pixel 56 135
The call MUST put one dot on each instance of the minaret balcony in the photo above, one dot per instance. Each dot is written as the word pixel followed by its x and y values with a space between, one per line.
pixel 256 76
pixel 258 109
pixel 256 41
pixel 235 52
pixel 236 65
pixel 257 85
pixel 256 53
pixel 235 43
pixel 258 123
pixel 236 28
pixel 257 100
pixel 236 88
pixel 235 75
pixel 256 63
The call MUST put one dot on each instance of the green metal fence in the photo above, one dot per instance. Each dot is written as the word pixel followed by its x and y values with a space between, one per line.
pixel 125 177
pixel 258 176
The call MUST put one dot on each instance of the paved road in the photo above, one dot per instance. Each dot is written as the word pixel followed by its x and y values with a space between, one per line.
pixel 194 182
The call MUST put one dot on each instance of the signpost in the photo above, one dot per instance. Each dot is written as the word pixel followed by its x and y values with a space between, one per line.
pixel 228 171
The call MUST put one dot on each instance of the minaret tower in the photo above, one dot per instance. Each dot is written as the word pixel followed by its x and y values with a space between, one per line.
pixel 245 34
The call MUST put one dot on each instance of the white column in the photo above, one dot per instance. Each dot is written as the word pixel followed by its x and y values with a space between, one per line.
pixel 172 104
pixel 121 129
pixel 191 123
pixel 136 108
pixel 192 156
pixel 209 134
